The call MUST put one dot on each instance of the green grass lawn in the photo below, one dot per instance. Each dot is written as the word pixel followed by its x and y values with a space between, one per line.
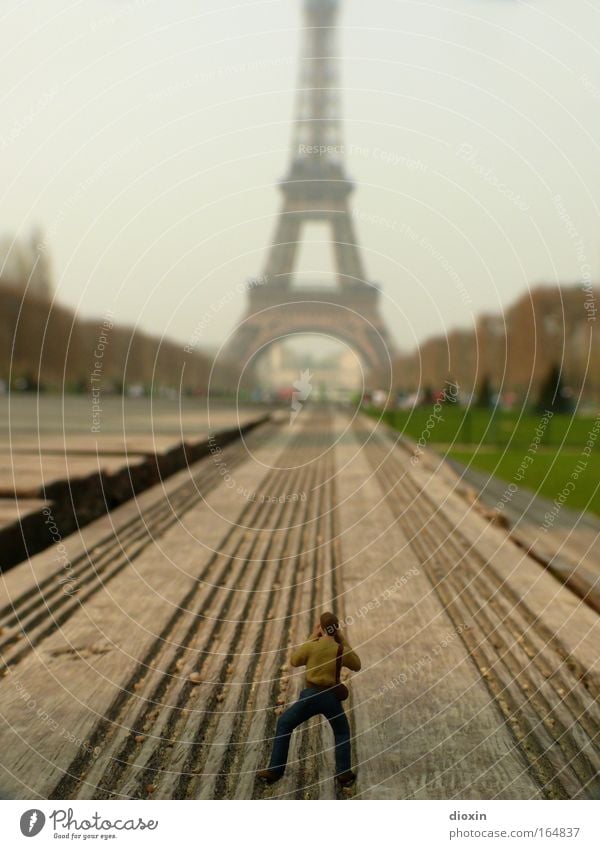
pixel 487 427
pixel 546 475
pixel 498 441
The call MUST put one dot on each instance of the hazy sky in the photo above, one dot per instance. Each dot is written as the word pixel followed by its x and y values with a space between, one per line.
pixel 146 138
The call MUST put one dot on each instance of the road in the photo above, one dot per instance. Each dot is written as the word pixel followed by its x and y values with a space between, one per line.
pixel 149 657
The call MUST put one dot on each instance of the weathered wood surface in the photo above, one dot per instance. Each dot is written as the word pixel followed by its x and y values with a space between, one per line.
pixel 80 670
pixel 29 475
pixel 11 510
pixel 87 444
pixel 427 724
pixel 532 640
pixel 478 666
pixel 46 438
pixel 76 473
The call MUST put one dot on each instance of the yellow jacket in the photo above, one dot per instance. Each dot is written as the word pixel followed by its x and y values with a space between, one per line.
pixel 319 657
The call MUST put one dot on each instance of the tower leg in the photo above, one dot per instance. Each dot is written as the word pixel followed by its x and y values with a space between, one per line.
pixel 348 260
pixel 284 248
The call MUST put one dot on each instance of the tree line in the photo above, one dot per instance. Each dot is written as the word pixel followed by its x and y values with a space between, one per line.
pixel 45 346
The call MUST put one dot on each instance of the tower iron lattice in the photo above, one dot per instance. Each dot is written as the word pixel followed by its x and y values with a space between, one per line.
pixel 316 188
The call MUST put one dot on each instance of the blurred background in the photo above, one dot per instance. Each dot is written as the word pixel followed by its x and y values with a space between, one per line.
pixel 141 147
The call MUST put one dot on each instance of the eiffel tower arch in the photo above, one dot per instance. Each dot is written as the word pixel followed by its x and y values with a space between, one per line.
pixel 316 188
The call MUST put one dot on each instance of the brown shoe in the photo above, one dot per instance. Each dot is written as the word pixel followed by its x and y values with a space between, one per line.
pixel 346 778
pixel 268 776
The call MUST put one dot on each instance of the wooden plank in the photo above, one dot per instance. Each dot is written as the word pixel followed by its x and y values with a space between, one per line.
pixel 571 621
pixel 11 510
pixel 76 688
pixel 426 724
pixel 28 475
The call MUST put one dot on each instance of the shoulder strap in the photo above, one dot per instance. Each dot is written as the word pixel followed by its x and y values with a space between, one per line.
pixel 338 663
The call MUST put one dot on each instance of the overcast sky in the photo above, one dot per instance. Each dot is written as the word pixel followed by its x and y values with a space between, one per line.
pixel 146 139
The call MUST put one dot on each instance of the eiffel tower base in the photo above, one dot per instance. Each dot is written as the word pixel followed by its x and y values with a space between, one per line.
pixel 349 315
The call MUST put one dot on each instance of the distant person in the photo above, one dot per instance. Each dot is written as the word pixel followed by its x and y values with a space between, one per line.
pixel 323 655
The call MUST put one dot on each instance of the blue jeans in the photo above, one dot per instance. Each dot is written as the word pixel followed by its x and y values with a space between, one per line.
pixel 312 702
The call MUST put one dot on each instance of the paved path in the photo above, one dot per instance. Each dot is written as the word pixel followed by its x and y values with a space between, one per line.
pixel 149 658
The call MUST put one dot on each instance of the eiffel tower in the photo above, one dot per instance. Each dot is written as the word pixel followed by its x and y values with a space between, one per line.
pixel 316 188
